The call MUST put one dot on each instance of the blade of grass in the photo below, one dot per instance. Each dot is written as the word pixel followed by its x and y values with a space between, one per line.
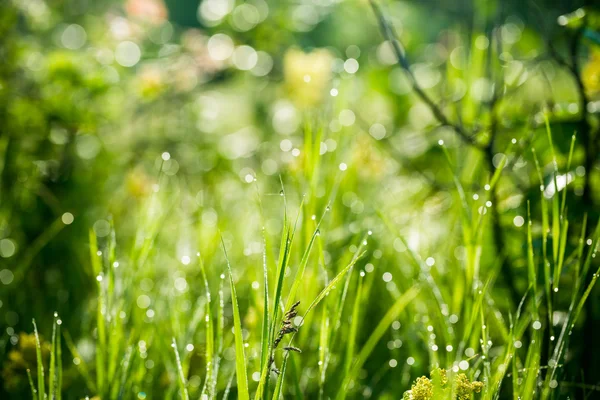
pixel 210 340
pixel 125 371
pixel 82 367
pixel 220 332
pixel 40 364
pixel 240 357
pixel 181 377
pixel 100 320
pixel 374 338
pixel 59 371
pixel 531 267
pixel 323 348
pixel 545 228
pixel 264 342
pixel 284 254
pixel 353 325
pixel 52 376
pixel 228 387
pixel 31 386
pixel 359 253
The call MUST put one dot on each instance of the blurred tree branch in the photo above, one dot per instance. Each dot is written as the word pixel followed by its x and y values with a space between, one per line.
pixel 468 138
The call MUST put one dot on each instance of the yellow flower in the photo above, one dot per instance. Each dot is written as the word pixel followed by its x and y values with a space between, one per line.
pixel 464 388
pixel 307 75
pixel 422 389
pixel 437 387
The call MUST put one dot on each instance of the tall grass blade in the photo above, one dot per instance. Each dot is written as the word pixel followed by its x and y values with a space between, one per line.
pixel 31 385
pixel 40 364
pixel 52 371
pixel 374 338
pixel 210 336
pixel 82 366
pixel 100 320
pixel 240 357
pixel 181 377
pixel 354 325
pixel 125 371
pixel 264 341
pixel 59 370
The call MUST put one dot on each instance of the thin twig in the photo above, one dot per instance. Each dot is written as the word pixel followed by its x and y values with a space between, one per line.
pixel 390 35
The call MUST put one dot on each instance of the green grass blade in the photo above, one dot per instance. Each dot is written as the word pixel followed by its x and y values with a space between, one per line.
pixel 499 168
pixel 228 387
pixel 584 297
pixel 323 346
pixel 555 236
pixel 210 338
pixel 240 357
pixel 82 366
pixel 31 385
pixel 353 326
pixel 302 268
pixel 264 342
pixel 40 364
pixel 52 372
pixel 580 252
pixel 569 160
pixel 531 267
pixel 100 320
pixel 279 386
pixel 545 228
pixel 561 251
pixel 125 371
pixel 359 253
pixel 334 282
pixel 284 253
pixel 181 377
pixel 59 371
pixel 378 332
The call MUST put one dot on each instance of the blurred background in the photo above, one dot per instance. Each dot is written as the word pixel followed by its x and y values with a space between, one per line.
pixel 167 120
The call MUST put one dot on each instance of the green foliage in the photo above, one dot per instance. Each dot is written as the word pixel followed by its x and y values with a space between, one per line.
pixel 298 200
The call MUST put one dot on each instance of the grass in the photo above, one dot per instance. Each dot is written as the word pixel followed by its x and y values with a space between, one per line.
pixel 326 261
pixel 312 322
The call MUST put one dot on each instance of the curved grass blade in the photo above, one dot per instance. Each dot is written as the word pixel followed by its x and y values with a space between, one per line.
pixel 330 286
pixel 378 332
